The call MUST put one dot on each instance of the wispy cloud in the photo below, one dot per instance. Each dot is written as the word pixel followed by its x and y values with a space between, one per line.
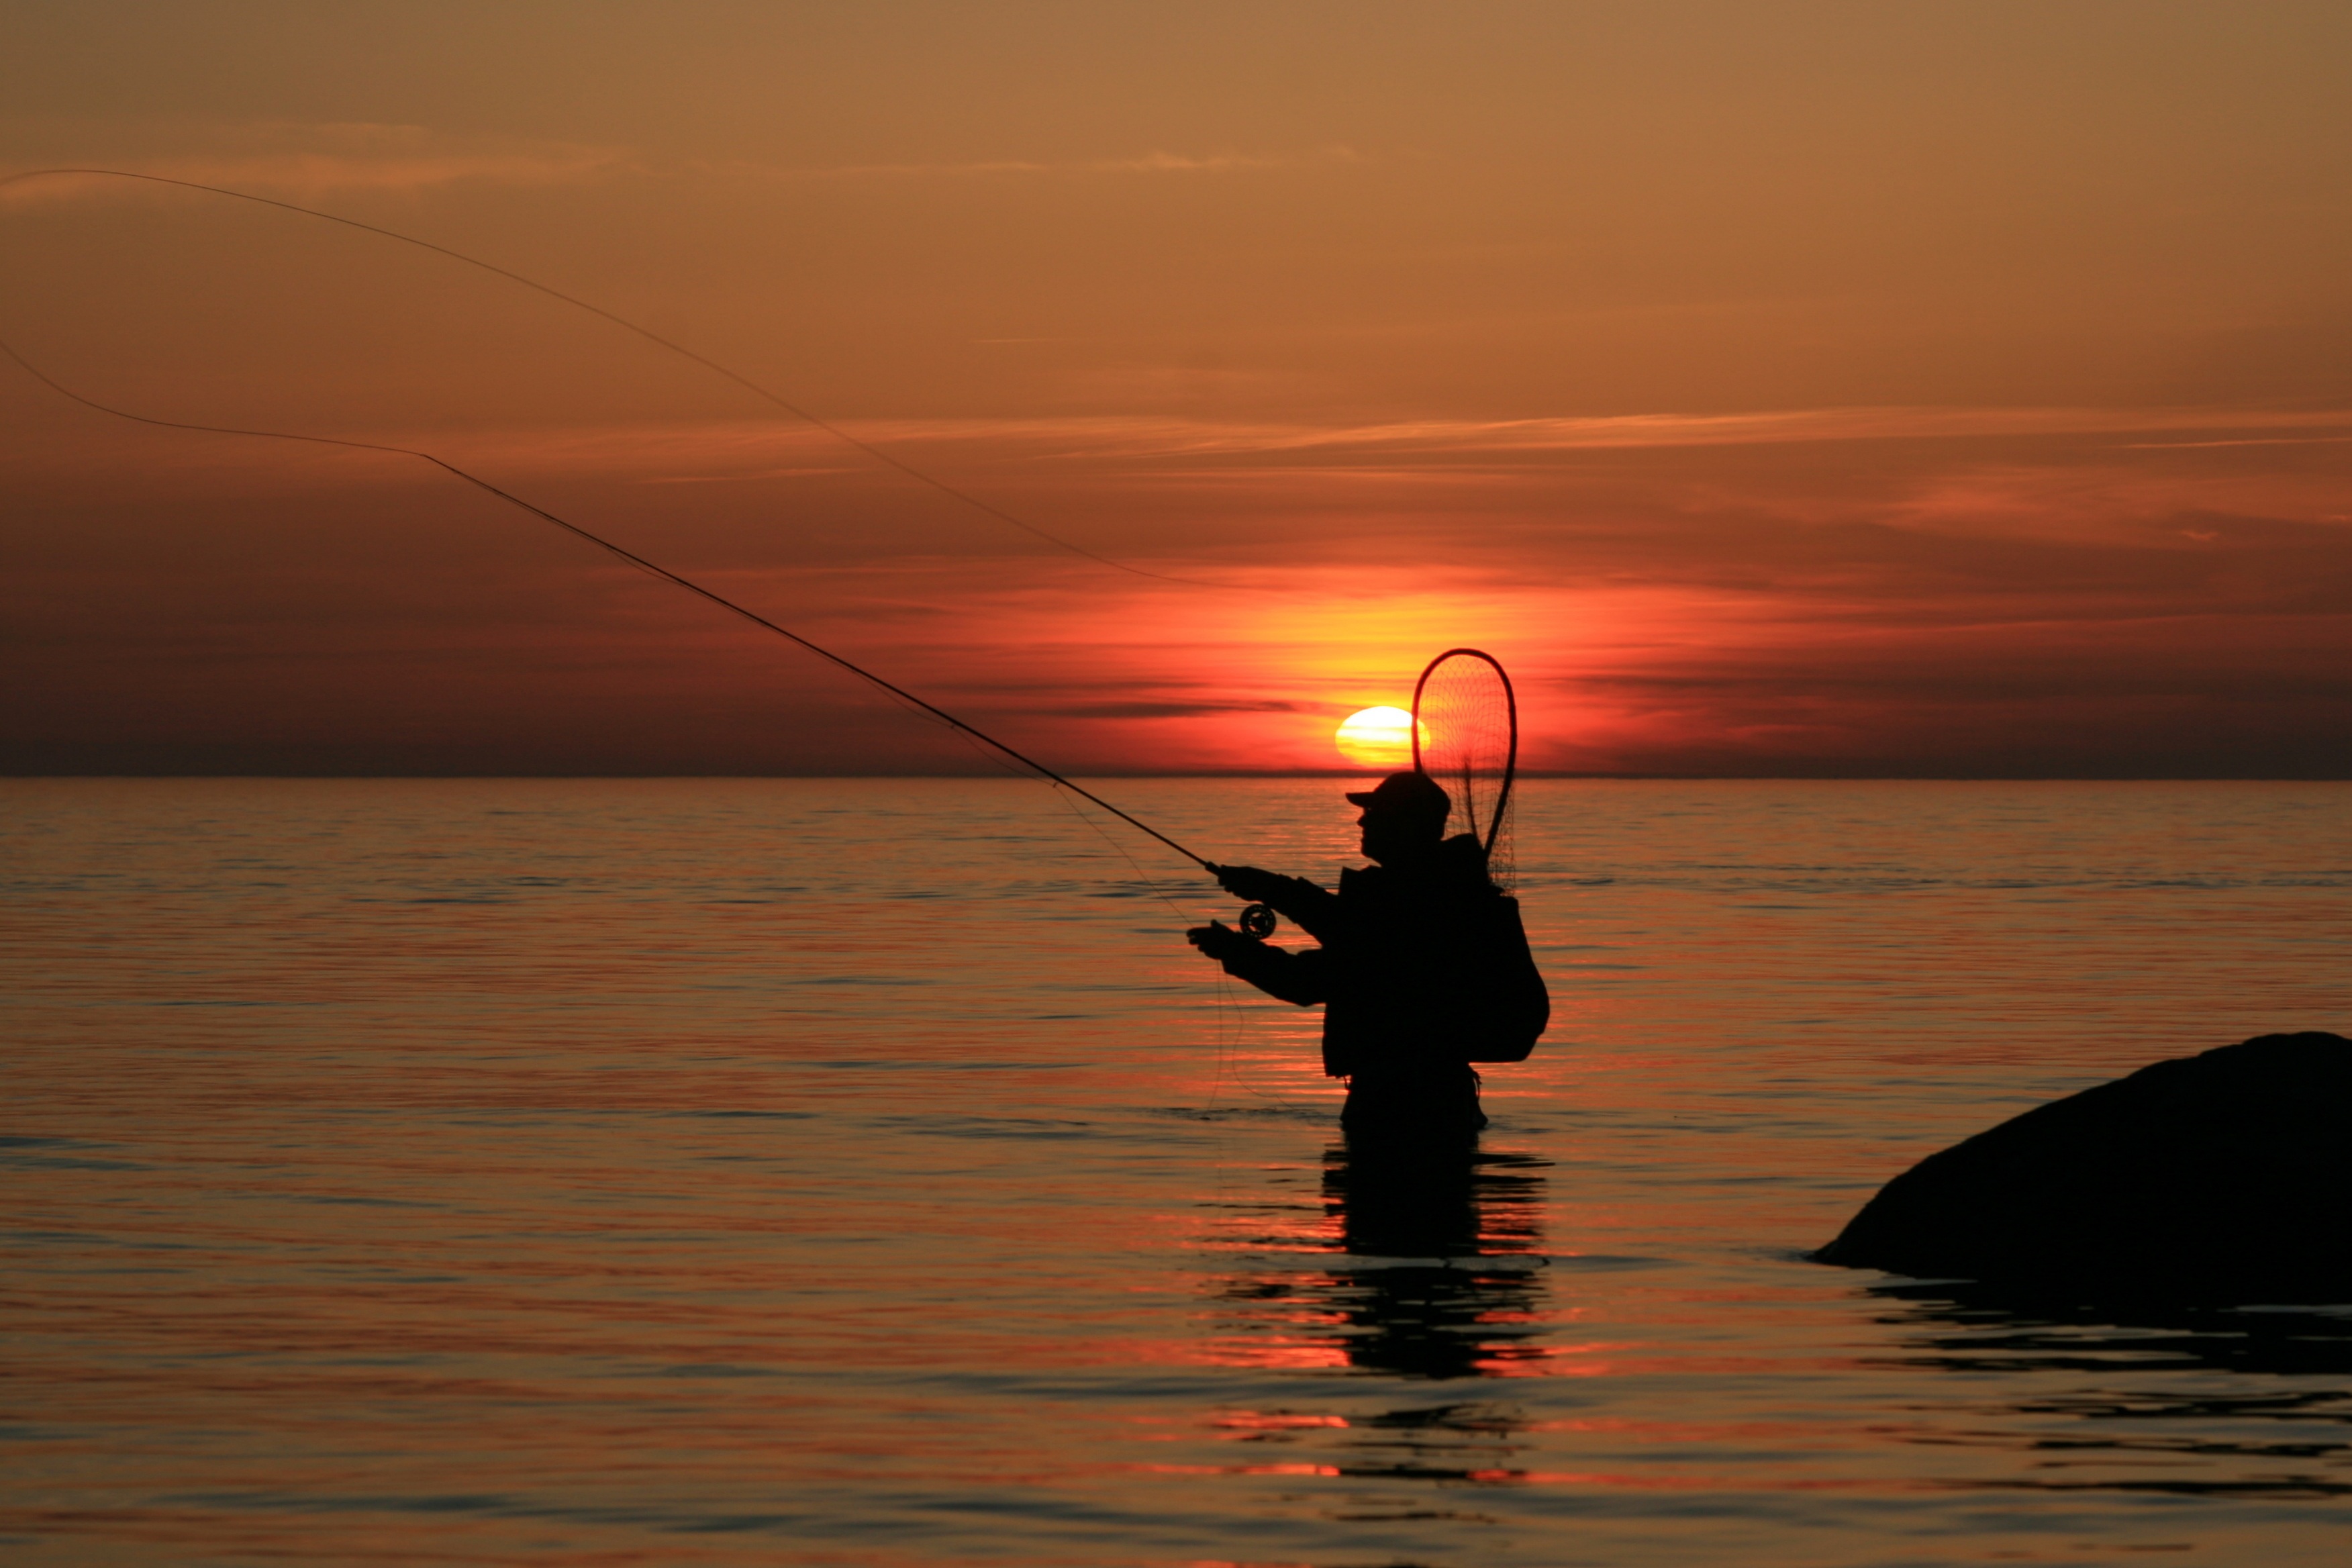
pixel 1153 163
pixel 288 158
pixel 746 449
pixel 1151 709
pixel 311 160
pixel 1810 425
pixel 2244 441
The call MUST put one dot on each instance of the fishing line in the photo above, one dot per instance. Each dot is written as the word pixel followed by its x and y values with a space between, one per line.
pixel 879 454
pixel 641 563
pixel 1226 1037
pixel 1229 1021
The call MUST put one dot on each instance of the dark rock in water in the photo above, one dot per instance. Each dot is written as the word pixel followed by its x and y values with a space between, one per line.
pixel 2225 1177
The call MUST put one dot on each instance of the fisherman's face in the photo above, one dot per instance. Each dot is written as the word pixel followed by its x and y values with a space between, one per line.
pixel 1390 836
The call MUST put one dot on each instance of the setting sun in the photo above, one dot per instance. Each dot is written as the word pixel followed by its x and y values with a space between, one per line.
pixel 1377 738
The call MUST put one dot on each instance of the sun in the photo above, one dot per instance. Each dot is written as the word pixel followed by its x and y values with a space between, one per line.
pixel 1378 738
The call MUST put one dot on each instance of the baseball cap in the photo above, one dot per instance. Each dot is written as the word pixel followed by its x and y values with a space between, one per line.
pixel 1415 793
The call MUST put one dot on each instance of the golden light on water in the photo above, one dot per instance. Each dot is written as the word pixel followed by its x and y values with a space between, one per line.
pixel 1379 738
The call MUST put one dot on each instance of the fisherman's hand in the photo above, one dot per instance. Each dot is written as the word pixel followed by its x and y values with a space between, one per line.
pixel 1249 882
pixel 1218 940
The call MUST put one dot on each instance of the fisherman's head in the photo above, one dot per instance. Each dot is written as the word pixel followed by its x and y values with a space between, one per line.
pixel 1404 816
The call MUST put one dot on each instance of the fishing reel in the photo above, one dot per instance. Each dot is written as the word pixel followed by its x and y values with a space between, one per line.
pixel 1257 920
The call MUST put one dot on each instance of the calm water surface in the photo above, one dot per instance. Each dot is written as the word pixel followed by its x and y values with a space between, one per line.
pixel 865 1173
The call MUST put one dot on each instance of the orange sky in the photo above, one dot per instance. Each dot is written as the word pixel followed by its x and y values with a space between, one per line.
pixel 1852 389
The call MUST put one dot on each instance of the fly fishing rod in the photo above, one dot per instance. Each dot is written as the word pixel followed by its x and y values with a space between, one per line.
pixel 633 559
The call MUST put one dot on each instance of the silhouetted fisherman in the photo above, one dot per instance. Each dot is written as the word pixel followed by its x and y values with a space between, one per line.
pixel 1424 967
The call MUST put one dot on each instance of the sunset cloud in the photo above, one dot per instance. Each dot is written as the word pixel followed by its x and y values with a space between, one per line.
pixel 724 449
pixel 295 160
pixel 1152 162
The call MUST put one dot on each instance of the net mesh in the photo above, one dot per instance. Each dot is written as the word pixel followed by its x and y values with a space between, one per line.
pixel 1468 741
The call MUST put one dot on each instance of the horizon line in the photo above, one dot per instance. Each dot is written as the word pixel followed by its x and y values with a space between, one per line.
pixel 9 775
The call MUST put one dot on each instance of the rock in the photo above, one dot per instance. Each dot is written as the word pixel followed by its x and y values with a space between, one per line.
pixel 2222 1178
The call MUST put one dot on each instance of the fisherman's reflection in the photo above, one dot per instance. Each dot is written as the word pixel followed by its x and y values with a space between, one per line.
pixel 1437 1274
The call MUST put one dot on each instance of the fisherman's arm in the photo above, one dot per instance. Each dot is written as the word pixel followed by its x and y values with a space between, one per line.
pixel 1295 899
pixel 1294 977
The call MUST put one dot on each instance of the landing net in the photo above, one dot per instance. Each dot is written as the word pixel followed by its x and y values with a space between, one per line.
pixel 1466 737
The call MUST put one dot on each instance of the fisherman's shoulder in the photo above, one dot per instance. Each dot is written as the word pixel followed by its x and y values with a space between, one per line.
pixel 1462 866
pixel 1459 866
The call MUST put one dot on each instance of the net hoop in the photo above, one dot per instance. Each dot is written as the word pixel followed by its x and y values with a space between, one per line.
pixel 1510 706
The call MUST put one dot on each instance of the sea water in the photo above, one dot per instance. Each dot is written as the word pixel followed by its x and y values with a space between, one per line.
pixel 851 1172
